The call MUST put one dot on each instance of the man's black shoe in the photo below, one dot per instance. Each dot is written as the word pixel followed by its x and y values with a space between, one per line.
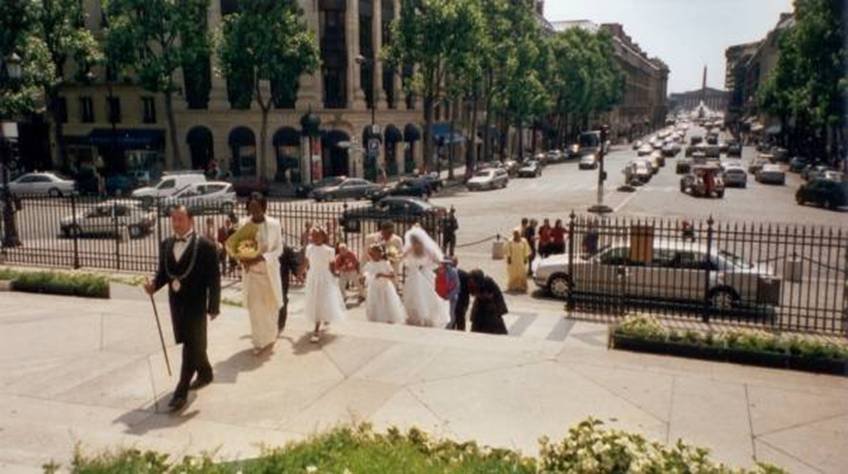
pixel 200 383
pixel 177 403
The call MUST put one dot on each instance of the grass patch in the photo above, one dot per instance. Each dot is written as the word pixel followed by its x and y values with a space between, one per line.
pixel 89 285
pixel 589 448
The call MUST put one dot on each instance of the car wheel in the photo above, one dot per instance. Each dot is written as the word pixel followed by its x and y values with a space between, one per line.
pixel 54 192
pixel 723 299
pixel 559 286
pixel 135 231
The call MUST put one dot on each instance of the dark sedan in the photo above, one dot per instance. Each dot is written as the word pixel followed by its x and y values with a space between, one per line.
pixel 734 149
pixel 404 211
pixel 304 190
pixel 413 187
pixel 348 189
pixel 823 192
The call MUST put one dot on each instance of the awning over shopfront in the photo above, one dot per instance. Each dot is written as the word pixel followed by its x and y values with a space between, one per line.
pixel 134 139
pixel 442 134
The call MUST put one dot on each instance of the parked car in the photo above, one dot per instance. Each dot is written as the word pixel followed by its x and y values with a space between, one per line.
pixel 756 165
pixel 645 150
pixel 771 174
pixel 347 189
pixel 511 167
pixel 797 164
pixel 399 209
pixel 588 161
pixel 735 177
pixel 492 178
pixel 304 190
pixel 674 271
pixel 109 219
pixel 169 184
pixel 431 180
pixel 530 169
pixel 823 192
pixel 812 171
pixel 406 187
pixel 200 198
pixel 637 144
pixel 41 184
pixel 573 151
pixel 734 149
pixel 554 156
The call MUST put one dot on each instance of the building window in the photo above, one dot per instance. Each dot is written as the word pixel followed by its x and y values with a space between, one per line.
pixel 86 110
pixel 148 108
pixel 61 107
pixel 113 109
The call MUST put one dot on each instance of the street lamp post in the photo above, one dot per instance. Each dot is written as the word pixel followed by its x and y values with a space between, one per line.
pixel 371 147
pixel 8 149
pixel 600 207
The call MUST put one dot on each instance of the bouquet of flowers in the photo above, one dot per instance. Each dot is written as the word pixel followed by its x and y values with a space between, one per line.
pixel 247 248
pixel 392 255
pixel 243 243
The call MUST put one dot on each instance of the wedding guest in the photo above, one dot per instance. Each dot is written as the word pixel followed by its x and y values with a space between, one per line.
pixel 517 256
pixel 188 264
pixel 383 303
pixel 545 238
pixel 261 284
pixel 323 299
pixel 558 238
pixel 489 305
pixel 387 237
pixel 529 233
pixel 347 265
pixel 424 307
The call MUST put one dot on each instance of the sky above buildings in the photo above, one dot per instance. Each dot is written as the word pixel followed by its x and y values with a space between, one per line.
pixel 686 34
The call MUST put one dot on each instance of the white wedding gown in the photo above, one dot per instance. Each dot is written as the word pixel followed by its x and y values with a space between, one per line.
pixel 383 304
pixel 424 307
pixel 324 301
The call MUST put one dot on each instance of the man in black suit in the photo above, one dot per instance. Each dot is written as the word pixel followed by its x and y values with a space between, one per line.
pixel 188 264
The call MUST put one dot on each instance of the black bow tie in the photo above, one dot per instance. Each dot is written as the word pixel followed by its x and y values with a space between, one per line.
pixel 181 239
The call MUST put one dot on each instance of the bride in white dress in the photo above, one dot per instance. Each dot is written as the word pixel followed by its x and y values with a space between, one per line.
pixel 324 303
pixel 383 303
pixel 421 257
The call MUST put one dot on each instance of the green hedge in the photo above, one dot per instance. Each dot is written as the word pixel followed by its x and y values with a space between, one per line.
pixel 60 283
pixel 649 328
pixel 588 449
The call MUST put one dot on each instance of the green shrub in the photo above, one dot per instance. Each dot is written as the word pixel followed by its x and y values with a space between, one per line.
pixel 587 449
pixel 54 282
pixel 651 329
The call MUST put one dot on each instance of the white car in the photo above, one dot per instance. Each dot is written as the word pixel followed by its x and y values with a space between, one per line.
pixel 588 161
pixel 42 184
pixel 645 149
pixel 199 198
pixel 735 176
pixel 491 178
pixel 109 219
pixel 637 170
pixel 672 271
pixel 168 185
pixel 771 174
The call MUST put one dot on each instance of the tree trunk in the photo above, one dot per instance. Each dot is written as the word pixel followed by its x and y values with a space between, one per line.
pixel 58 133
pixel 472 162
pixel 451 147
pixel 172 130
pixel 520 126
pixel 427 161
pixel 263 145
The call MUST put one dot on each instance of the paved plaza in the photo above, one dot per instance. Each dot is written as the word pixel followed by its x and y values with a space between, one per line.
pixel 91 372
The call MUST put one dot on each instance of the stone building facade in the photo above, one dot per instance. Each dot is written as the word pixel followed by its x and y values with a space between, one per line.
pixel 114 123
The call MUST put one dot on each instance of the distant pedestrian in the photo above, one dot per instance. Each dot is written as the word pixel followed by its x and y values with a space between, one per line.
pixel 449 227
pixel 545 238
pixel 558 238
pixel 517 256
pixel 529 232
pixel 590 239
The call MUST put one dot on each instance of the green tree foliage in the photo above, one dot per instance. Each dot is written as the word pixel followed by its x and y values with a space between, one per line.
pixel 266 41
pixel 19 35
pixel 430 34
pixel 151 39
pixel 809 84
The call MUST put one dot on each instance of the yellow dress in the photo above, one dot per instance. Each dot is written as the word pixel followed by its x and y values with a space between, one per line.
pixel 517 254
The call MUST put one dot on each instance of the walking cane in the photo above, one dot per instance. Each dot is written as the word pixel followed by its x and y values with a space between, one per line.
pixel 161 337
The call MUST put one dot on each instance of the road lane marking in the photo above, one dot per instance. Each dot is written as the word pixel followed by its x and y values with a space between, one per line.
pixel 522 323
pixel 561 330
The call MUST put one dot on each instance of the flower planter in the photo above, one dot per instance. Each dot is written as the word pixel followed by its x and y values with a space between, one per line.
pixel 60 290
pixel 739 356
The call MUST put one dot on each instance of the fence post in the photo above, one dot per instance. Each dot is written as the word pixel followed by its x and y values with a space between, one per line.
pixel 707 259
pixel 117 228
pixel 74 233
pixel 569 304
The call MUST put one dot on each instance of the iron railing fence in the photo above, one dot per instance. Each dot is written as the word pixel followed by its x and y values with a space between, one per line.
pixel 124 234
pixel 774 276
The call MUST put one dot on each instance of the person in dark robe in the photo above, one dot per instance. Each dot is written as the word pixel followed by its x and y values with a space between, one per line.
pixel 188 264
pixel 528 231
pixel 289 263
pixel 489 305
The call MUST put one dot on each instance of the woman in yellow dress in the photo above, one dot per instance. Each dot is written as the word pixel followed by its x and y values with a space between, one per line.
pixel 517 255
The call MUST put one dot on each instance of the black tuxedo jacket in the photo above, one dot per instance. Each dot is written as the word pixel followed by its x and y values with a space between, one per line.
pixel 200 290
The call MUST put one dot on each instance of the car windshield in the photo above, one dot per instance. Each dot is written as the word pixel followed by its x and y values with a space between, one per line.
pixel 734 260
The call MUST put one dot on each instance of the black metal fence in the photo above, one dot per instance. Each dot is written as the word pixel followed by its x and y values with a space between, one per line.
pixel 124 234
pixel 786 277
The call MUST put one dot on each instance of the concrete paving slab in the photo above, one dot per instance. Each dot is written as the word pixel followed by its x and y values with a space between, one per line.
pixel 820 444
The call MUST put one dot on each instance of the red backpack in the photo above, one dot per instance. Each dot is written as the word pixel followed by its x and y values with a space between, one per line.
pixel 443 284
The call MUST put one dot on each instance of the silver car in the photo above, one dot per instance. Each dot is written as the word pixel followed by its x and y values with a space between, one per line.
pixel 735 176
pixel 110 218
pixel 209 196
pixel 671 271
pixel 491 178
pixel 42 184
pixel 771 174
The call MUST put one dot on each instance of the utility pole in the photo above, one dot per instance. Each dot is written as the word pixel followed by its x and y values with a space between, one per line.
pixel 600 207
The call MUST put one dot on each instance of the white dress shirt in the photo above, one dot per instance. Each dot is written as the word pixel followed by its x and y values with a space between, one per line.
pixel 181 245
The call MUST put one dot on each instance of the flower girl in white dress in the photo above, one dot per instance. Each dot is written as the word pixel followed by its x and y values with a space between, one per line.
pixel 383 304
pixel 424 307
pixel 324 303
